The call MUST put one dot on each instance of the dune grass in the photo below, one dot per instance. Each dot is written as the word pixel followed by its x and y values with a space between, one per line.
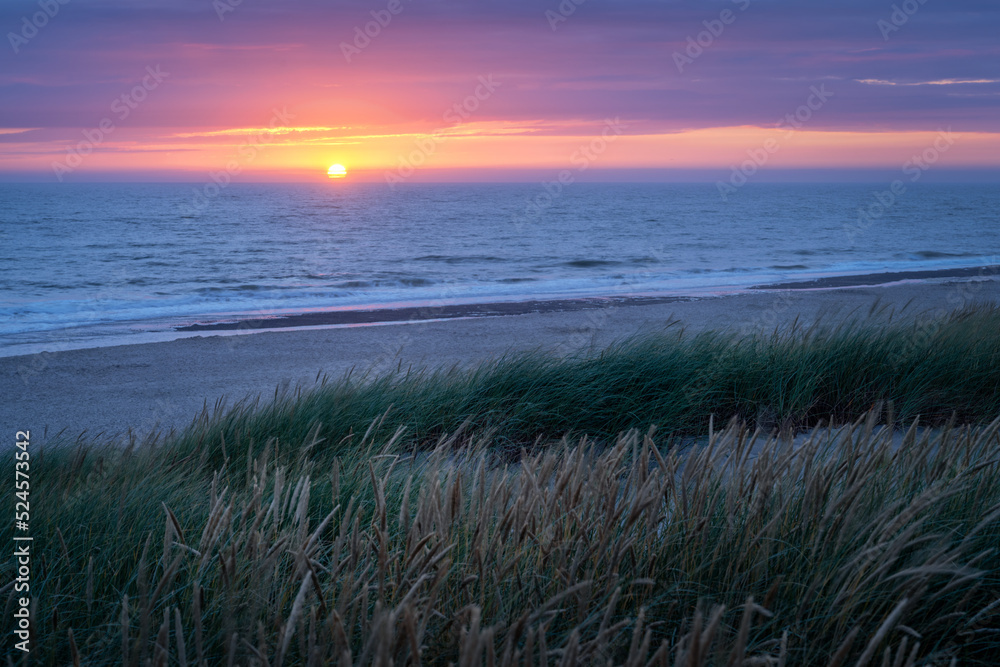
pixel 386 520
pixel 932 369
pixel 745 551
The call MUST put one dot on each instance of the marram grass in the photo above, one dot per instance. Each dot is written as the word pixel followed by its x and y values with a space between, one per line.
pixel 845 550
pixel 933 369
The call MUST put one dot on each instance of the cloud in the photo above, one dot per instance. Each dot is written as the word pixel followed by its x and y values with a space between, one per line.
pixel 608 59
pixel 241 131
pixel 938 82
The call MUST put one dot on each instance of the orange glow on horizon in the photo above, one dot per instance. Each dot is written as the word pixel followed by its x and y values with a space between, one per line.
pixel 374 151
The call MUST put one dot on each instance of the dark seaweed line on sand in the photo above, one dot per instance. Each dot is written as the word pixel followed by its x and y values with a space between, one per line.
pixel 453 311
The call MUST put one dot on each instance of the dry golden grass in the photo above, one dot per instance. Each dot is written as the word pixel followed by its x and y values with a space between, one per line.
pixel 843 550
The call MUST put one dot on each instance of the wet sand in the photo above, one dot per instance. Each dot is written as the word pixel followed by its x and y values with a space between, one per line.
pixel 429 312
pixel 454 311
pixel 991 271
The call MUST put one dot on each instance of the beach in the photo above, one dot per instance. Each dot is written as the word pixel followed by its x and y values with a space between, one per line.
pixel 443 333
pixel 165 385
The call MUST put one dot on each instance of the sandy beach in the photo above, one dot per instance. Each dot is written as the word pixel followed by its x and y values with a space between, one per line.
pixel 164 385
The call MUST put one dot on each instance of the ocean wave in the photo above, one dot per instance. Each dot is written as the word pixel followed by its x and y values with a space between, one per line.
pixel 591 263
pixel 268 253
pixel 459 259
pixel 937 254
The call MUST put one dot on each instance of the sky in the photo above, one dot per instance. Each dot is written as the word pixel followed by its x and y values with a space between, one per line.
pixel 495 89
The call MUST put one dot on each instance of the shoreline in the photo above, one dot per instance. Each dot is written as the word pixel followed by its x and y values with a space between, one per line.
pixel 165 385
pixel 540 305
pixel 884 278
pixel 148 332
pixel 427 312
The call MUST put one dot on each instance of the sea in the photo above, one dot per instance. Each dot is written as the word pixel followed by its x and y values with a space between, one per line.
pixel 89 265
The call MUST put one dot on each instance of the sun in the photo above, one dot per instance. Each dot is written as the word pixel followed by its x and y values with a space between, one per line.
pixel 337 171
